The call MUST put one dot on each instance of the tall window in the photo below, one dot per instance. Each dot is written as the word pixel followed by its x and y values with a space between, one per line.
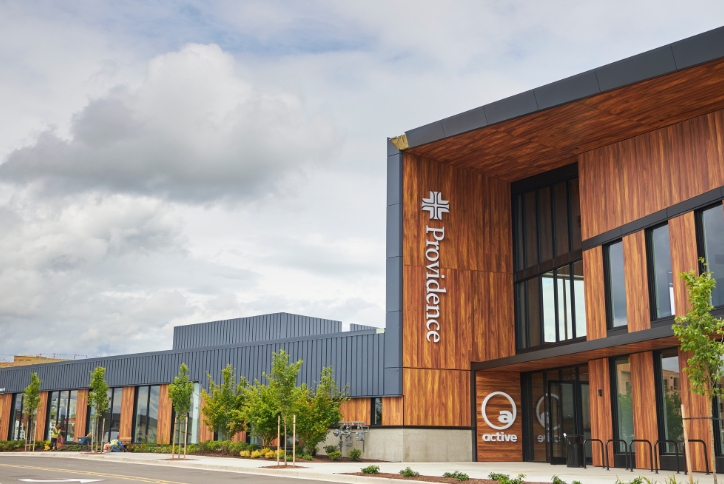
pixel 18 422
pixel 549 300
pixel 661 275
pixel 62 410
pixel 376 417
pixel 711 243
pixel 623 426
pixel 112 416
pixel 194 416
pixel 615 285
pixel 146 416
pixel 669 394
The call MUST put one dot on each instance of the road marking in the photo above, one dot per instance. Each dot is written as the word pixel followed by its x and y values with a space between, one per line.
pixel 97 474
pixel 82 481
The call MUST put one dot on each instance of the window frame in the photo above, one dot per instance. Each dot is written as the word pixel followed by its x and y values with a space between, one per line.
pixel 700 239
pixel 607 284
pixel 651 275
pixel 658 381
pixel 613 384
pixel 373 403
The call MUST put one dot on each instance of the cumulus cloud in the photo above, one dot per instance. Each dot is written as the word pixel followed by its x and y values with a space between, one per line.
pixel 193 131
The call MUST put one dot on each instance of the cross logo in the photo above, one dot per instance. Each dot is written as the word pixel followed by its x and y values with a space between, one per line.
pixel 435 205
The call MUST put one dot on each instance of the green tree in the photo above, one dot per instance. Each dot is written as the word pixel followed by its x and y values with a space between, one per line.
pixel 319 410
pixel 225 401
pixel 180 393
pixel 703 335
pixel 98 396
pixel 283 383
pixel 31 402
pixel 260 412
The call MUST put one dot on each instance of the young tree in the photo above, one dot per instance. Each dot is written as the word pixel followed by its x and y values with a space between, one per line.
pixel 180 393
pixel 283 383
pixel 98 397
pixel 319 411
pixel 224 399
pixel 31 402
pixel 703 335
pixel 260 412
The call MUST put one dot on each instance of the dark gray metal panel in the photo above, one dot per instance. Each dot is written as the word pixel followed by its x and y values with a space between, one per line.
pixel 393 381
pixel 394 230
pixel 699 48
pixel 511 107
pixel 637 68
pixel 394 179
pixel 394 284
pixel 464 122
pixel 567 90
pixel 425 134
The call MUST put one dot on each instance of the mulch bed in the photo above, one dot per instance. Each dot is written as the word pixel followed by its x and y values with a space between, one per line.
pixel 282 466
pixel 449 480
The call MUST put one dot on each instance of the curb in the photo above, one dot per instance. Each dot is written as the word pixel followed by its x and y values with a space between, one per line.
pixel 292 474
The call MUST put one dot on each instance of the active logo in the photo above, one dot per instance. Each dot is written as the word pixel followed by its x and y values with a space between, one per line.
pixel 435 205
pixel 505 419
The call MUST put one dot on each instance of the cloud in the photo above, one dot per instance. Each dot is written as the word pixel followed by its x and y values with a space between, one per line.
pixel 194 131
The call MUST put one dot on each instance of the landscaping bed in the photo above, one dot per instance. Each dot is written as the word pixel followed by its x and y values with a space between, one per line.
pixel 450 480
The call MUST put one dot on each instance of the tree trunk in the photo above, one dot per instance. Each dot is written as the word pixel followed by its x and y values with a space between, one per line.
pixel 173 439
pixel 186 433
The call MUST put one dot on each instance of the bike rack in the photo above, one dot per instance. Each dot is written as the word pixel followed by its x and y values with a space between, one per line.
pixel 632 452
pixel 608 462
pixel 658 455
pixel 706 456
pixel 603 462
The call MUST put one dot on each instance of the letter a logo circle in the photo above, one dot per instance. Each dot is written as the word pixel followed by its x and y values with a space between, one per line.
pixel 505 417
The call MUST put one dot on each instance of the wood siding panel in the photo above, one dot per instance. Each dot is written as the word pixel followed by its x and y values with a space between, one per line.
pixel 356 410
pixel 165 415
pixel 439 398
pixel 42 416
pixel 205 432
pixel 644 405
pixel 125 428
pixel 600 405
pixel 595 293
pixel 637 286
pixel 392 411
pixel 476 321
pixel 81 418
pixel 696 407
pixel 6 401
pixel 487 382
pixel 634 178
pixel 684 257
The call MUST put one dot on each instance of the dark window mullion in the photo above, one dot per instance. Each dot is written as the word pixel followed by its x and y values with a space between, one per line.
pixel 571 277
pixel 555 304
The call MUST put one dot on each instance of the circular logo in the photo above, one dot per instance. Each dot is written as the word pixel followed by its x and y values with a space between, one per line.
pixel 542 415
pixel 505 417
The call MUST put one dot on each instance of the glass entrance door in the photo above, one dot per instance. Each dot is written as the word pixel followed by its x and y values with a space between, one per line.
pixel 562 406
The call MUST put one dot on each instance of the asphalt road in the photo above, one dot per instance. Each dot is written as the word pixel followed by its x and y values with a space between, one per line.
pixel 20 470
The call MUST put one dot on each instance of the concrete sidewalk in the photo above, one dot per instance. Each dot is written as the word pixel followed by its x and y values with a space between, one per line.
pixel 335 471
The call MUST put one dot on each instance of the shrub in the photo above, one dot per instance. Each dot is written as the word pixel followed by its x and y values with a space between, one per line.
pixel 256 454
pixel 576 482
pixel 334 455
pixel 355 454
pixel 330 448
pixel 245 453
pixel 505 478
pixel 371 470
pixel 557 480
pixel 457 475
pixel 271 455
pixel 253 447
pixel 407 472
pixel 307 457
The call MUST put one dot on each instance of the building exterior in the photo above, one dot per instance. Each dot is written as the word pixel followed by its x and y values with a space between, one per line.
pixel 533 252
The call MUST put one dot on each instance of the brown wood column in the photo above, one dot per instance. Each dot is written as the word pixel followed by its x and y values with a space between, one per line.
pixel 6 400
pixel 594 293
pixel 600 404
pixel 643 397
pixel 356 410
pixel 439 398
pixel 696 406
pixel 637 285
pixel 489 385
pixel 392 411
pixel 125 430
pixel 205 432
pixel 684 257
pixel 41 417
pixel 81 417
pixel 165 416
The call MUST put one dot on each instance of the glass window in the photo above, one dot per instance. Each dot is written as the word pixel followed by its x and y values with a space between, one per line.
pixel 193 418
pixel 545 225
pixel 712 231
pixel 615 285
pixel 52 419
pixel 146 418
pixel 660 267
pixel 560 195
pixel 530 236
pixel 575 214
pixel 18 425
pixel 112 416
pixel 623 427
pixel 376 411
pixel 670 396
pixel 551 308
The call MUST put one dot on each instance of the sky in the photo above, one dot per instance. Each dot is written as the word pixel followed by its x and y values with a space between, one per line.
pixel 167 163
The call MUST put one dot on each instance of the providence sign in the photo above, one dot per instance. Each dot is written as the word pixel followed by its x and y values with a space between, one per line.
pixel 434 283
